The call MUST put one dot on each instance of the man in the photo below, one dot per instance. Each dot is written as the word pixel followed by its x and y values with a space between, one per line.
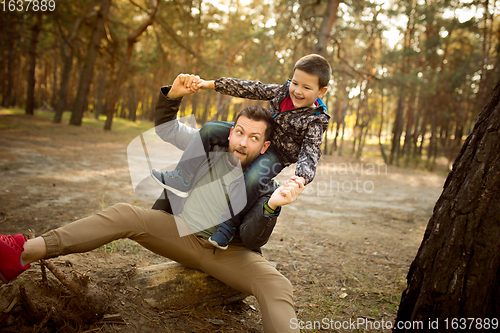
pixel 241 266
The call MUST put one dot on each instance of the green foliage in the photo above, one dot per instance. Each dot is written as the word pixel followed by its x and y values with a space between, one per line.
pixel 422 55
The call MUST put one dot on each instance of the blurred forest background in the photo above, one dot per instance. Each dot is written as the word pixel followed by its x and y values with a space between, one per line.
pixel 409 76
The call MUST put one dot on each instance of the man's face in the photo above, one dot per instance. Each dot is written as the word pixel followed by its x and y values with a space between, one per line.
pixel 304 89
pixel 246 140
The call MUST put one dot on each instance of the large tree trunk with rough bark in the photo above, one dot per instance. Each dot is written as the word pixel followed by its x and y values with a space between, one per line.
pixel 455 275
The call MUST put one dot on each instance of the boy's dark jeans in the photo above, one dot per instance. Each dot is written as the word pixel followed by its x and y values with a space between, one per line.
pixel 263 169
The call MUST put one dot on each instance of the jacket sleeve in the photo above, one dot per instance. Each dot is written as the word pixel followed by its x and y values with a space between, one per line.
pixel 247 88
pixel 167 125
pixel 257 224
pixel 310 152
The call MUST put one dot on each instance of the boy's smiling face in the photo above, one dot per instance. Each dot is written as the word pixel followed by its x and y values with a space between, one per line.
pixel 304 89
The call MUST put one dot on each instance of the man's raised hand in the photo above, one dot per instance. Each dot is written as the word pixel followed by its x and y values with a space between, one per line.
pixel 287 193
pixel 184 84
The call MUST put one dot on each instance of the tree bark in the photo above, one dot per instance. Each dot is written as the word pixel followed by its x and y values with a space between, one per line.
pixel 397 130
pixel 67 52
pixel 6 100
pixel 88 68
pixel 131 40
pixel 455 273
pixel 100 91
pixel 384 156
pixel 172 285
pixel 67 58
pixel 410 124
pixel 329 17
pixel 35 32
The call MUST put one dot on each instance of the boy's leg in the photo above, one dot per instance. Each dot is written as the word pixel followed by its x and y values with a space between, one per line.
pixel 258 174
pixel 179 181
pixel 251 273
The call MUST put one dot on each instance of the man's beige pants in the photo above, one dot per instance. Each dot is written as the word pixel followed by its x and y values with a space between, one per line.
pixel 238 267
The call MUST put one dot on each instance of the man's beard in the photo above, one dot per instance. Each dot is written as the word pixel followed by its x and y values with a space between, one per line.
pixel 235 159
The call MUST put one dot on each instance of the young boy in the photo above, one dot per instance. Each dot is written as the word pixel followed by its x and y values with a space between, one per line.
pixel 300 118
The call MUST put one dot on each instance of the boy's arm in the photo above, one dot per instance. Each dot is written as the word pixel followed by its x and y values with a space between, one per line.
pixel 244 88
pixel 310 152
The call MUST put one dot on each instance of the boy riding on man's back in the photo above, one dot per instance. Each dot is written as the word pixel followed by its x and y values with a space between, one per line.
pixel 300 118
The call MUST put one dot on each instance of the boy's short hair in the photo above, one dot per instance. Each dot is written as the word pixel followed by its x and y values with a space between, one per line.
pixel 258 113
pixel 315 64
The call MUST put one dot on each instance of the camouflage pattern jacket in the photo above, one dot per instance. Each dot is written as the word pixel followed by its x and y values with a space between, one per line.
pixel 297 133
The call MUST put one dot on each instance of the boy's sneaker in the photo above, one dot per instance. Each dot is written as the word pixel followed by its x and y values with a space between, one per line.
pixel 11 248
pixel 222 236
pixel 172 181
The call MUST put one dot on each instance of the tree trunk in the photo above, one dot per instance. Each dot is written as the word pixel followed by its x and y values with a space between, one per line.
pixel 343 131
pixel 341 113
pixel 380 128
pixel 455 273
pixel 88 68
pixel 131 40
pixel 206 111
pixel 53 102
pixel 6 100
pixel 100 91
pixel 67 52
pixel 329 17
pixel 172 285
pixel 67 57
pixel 18 90
pixel 35 32
pixel 432 139
pixel 410 123
pixel 132 103
pixel 397 129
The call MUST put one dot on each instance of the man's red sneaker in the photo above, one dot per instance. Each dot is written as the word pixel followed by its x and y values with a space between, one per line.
pixel 11 248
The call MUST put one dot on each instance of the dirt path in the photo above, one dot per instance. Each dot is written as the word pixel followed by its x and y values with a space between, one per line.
pixel 346 245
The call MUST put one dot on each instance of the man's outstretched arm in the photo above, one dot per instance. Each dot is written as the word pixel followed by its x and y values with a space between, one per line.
pixel 166 124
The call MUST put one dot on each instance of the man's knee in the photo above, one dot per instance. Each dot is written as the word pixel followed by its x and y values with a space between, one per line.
pixel 121 208
pixel 120 213
pixel 286 286
pixel 277 286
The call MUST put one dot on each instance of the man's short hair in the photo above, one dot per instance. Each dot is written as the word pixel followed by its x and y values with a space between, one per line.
pixel 258 113
pixel 317 65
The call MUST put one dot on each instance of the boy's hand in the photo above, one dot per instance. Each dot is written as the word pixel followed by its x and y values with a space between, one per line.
pixel 287 193
pixel 181 84
pixel 192 82
pixel 202 84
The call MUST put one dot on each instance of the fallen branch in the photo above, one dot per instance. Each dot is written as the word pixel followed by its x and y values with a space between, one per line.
pixel 72 285
pixel 11 305
pixel 172 285
pixel 44 272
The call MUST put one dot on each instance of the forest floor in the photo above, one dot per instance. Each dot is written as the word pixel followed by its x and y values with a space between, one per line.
pixel 346 245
